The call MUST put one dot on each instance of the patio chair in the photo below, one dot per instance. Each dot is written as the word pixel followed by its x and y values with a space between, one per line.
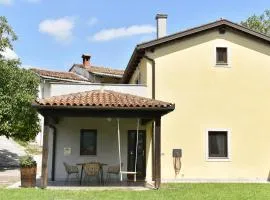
pixel 92 170
pixel 113 170
pixel 70 169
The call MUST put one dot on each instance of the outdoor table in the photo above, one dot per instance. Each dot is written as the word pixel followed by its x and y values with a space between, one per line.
pixel 101 171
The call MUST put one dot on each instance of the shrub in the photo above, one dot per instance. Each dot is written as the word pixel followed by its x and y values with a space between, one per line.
pixel 27 162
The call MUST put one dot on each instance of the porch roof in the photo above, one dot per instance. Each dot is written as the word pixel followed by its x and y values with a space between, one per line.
pixel 102 102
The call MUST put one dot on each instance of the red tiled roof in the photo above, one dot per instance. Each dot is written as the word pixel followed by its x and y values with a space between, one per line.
pixel 55 74
pixel 103 99
pixel 102 70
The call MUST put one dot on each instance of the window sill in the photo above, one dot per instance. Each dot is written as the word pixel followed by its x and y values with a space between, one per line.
pixel 218 159
pixel 222 65
pixel 88 155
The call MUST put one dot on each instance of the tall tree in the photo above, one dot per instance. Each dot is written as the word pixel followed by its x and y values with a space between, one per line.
pixel 259 23
pixel 18 89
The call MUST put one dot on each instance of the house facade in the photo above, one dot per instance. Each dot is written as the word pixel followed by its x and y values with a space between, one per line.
pixel 222 107
pixel 218 77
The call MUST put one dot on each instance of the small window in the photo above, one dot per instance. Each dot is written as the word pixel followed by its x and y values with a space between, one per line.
pixel 88 144
pixel 221 55
pixel 217 144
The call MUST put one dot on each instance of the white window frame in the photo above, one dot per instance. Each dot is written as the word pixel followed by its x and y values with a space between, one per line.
pixel 226 65
pixel 216 159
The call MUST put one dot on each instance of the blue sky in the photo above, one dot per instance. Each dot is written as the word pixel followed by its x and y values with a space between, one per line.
pixel 53 34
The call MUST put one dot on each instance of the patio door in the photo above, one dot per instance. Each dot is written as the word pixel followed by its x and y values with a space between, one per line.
pixel 132 139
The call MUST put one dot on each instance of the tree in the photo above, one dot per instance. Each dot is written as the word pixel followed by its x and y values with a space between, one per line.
pixel 18 89
pixel 259 23
pixel 7 35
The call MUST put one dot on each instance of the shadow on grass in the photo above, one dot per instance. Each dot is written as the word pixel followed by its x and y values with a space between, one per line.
pixel 8 160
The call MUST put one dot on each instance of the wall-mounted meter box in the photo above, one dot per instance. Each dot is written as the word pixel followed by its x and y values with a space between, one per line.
pixel 177 153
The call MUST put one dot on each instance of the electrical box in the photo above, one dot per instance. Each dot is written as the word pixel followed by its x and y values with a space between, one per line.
pixel 177 153
pixel 67 151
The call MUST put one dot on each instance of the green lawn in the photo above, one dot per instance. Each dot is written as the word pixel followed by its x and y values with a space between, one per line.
pixel 168 191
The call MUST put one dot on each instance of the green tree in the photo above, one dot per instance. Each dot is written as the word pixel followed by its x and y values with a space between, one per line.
pixel 259 23
pixel 18 89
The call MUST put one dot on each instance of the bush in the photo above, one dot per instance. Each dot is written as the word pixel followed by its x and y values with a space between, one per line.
pixel 27 162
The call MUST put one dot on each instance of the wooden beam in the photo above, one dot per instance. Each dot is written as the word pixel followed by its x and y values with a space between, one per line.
pixel 145 114
pixel 44 169
pixel 157 152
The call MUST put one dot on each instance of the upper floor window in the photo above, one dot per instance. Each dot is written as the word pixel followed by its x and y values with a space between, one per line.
pixel 88 144
pixel 221 55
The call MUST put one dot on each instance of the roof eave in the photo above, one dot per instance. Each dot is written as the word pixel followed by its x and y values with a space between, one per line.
pixel 54 109
pixel 135 55
pixel 143 46
pixel 106 74
pixel 200 29
pixel 38 106
pixel 63 79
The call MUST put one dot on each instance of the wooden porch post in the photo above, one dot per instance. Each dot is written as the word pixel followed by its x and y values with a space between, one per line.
pixel 157 143
pixel 44 169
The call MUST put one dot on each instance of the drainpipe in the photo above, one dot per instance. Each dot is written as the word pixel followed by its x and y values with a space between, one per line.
pixel 153 75
pixel 153 123
pixel 53 153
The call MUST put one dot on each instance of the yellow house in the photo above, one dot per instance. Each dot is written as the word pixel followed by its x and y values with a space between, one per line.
pixel 217 127
pixel 218 75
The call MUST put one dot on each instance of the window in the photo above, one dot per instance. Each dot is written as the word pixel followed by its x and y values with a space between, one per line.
pixel 218 144
pixel 221 55
pixel 88 144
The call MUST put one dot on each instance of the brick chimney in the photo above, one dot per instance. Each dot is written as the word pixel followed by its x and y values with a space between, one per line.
pixel 86 60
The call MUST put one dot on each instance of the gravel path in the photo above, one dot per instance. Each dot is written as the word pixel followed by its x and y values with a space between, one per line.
pixel 10 152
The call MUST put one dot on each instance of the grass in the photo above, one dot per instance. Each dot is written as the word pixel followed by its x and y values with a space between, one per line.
pixel 203 191
pixel 30 148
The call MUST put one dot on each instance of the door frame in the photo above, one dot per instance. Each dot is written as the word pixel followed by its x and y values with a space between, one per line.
pixel 144 147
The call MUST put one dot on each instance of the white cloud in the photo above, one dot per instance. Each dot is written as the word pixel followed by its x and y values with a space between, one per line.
pixel 61 28
pixel 9 54
pixel 6 2
pixel 110 34
pixel 92 21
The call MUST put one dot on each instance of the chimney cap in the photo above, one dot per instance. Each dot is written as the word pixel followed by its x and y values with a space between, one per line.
pixel 86 55
pixel 158 16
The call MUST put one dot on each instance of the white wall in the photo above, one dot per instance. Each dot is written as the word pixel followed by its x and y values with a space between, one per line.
pixel 39 136
pixel 66 88
pixel 68 136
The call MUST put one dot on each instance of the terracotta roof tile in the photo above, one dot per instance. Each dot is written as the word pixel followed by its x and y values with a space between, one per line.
pixel 105 99
pixel 103 70
pixel 62 75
